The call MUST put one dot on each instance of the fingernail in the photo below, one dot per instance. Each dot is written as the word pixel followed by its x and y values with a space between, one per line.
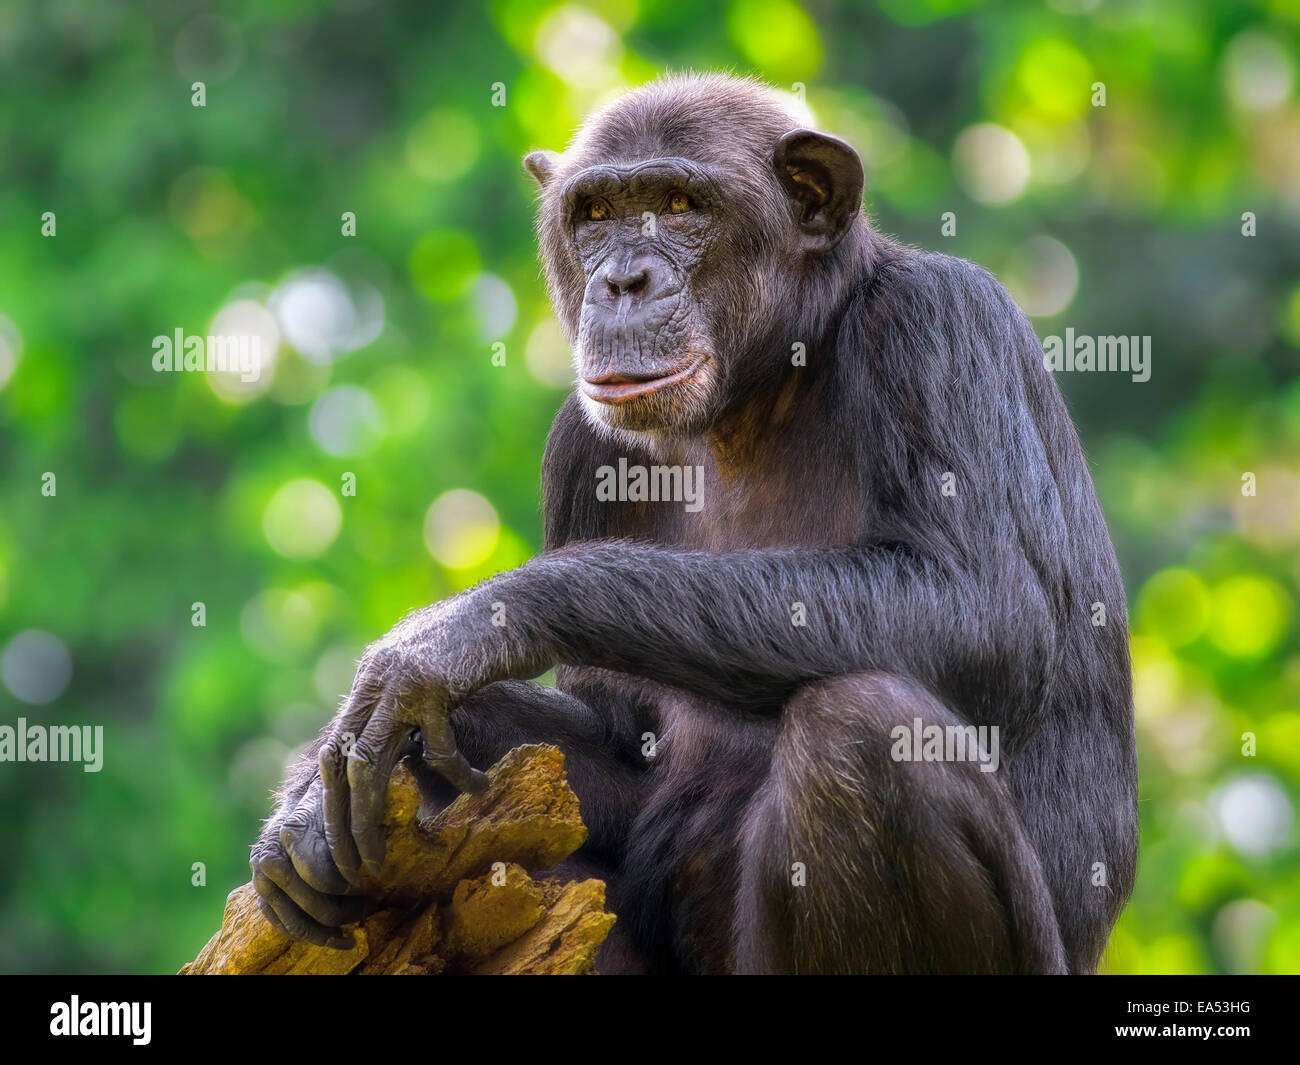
pixel 372 867
pixel 342 943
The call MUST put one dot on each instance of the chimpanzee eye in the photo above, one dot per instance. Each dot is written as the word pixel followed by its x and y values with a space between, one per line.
pixel 679 203
pixel 599 211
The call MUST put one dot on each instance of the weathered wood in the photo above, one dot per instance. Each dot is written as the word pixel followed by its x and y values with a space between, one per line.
pixel 455 893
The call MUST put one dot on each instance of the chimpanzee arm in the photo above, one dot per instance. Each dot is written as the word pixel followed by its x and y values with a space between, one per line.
pixel 720 624
pixel 749 626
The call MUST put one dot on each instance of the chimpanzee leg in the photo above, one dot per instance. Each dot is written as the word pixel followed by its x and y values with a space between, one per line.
pixel 911 866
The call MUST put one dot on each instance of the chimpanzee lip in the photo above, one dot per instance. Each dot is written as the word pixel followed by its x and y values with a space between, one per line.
pixel 617 388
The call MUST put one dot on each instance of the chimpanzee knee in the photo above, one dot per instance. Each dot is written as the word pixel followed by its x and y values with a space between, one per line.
pixel 862 856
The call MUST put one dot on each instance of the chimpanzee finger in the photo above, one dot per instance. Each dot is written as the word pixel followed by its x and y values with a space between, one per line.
pixel 371 763
pixel 328 911
pixel 295 923
pixel 337 805
pixel 271 915
pixel 303 838
pixel 441 754
pixel 348 724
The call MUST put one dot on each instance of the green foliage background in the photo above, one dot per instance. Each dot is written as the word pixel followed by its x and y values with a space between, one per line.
pixel 167 492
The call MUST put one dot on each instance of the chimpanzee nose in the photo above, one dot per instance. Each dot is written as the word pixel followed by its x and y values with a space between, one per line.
pixel 631 278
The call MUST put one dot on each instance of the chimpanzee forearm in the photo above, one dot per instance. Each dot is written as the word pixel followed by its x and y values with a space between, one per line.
pixel 749 626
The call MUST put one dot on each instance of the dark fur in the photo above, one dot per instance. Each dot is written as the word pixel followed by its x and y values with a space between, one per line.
pixel 822 487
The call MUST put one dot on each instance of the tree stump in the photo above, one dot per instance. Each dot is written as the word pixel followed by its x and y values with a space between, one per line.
pixel 456 894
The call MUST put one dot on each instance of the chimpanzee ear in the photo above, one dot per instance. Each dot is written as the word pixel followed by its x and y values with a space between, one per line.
pixel 822 175
pixel 541 164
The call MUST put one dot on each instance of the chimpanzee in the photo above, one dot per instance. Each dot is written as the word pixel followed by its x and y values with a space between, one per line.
pixel 896 537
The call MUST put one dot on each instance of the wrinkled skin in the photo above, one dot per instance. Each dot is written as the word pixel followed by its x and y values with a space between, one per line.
pixel 307 864
pixel 642 321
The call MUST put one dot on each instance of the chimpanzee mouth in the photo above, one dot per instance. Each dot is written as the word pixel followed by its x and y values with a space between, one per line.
pixel 618 388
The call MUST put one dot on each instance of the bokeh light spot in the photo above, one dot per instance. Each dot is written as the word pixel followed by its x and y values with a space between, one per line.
pixel 494 306
pixel 1257 71
pixel 346 421
pixel 579 46
pixel 461 529
pixel 991 163
pixel 248 333
pixel 1055 78
pixel 323 318
pixel 302 519
pixel 1248 616
pixel 777 36
pixel 1042 276
pixel 548 356
pixel 36 667
pixel 1174 605
pixel 1253 813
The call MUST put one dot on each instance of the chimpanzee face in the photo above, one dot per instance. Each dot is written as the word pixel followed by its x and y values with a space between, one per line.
pixel 674 240
pixel 645 349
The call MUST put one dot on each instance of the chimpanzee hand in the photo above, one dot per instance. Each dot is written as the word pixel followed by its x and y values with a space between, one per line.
pixel 408 681
pixel 308 862
pixel 300 889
